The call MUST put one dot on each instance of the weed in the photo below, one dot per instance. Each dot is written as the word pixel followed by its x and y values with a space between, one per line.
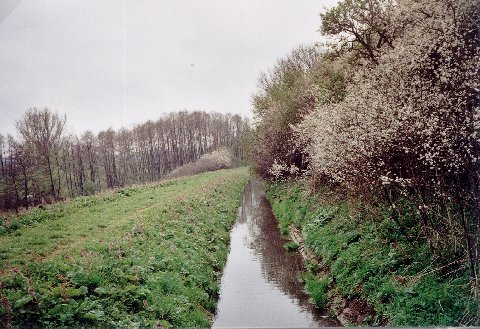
pixel 317 288
pixel 290 246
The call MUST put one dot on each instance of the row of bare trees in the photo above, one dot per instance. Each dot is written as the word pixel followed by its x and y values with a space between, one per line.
pixel 45 163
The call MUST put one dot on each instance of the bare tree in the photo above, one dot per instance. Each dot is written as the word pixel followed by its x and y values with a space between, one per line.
pixel 46 165
pixel 42 132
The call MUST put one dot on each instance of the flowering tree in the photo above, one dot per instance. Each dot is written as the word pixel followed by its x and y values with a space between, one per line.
pixel 293 88
pixel 410 125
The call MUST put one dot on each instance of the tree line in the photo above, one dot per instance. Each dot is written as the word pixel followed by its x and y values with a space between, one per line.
pixel 388 111
pixel 45 163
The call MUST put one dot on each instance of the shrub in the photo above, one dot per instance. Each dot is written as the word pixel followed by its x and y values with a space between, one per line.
pixel 288 92
pixel 220 159
pixel 413 120
pixel 409 126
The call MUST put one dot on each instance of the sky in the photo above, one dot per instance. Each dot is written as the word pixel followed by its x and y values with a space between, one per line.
pixel 92 60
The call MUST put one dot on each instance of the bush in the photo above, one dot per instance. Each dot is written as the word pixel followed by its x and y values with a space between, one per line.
pixel 220 159
pixel 412 121
pixel 292 89
pixel 409 125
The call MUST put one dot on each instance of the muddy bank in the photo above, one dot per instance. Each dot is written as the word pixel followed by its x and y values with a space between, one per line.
pixel 347 311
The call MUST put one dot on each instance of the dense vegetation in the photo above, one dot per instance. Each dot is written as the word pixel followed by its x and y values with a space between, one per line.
pixel 46 163
pixel 373 270
pixel 140 256
pixel 387 113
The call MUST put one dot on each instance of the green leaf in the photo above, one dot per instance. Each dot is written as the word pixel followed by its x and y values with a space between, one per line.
pixel 23 301
pixel 93 315
pixel 101 291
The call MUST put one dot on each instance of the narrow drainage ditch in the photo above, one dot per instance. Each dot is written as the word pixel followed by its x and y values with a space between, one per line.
pixel 260 286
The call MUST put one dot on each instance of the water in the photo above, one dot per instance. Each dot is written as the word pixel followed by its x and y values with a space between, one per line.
pixel 260 286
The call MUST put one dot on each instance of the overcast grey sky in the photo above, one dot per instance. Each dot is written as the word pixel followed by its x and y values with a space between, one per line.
pixel 68 55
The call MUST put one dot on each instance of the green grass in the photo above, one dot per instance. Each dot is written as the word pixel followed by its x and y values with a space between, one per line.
pixel 317 289
pixel 365 255
pixel 290 246
pixel 140 256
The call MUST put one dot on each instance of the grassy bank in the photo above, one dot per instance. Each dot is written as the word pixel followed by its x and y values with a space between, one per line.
pixel 367 269
pixel 142 256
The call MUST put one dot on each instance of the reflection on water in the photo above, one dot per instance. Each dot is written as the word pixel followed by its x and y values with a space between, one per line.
pixel 260 286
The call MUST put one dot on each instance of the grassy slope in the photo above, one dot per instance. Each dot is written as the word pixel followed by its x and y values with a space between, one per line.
pixel 363 257
pixel 146 255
